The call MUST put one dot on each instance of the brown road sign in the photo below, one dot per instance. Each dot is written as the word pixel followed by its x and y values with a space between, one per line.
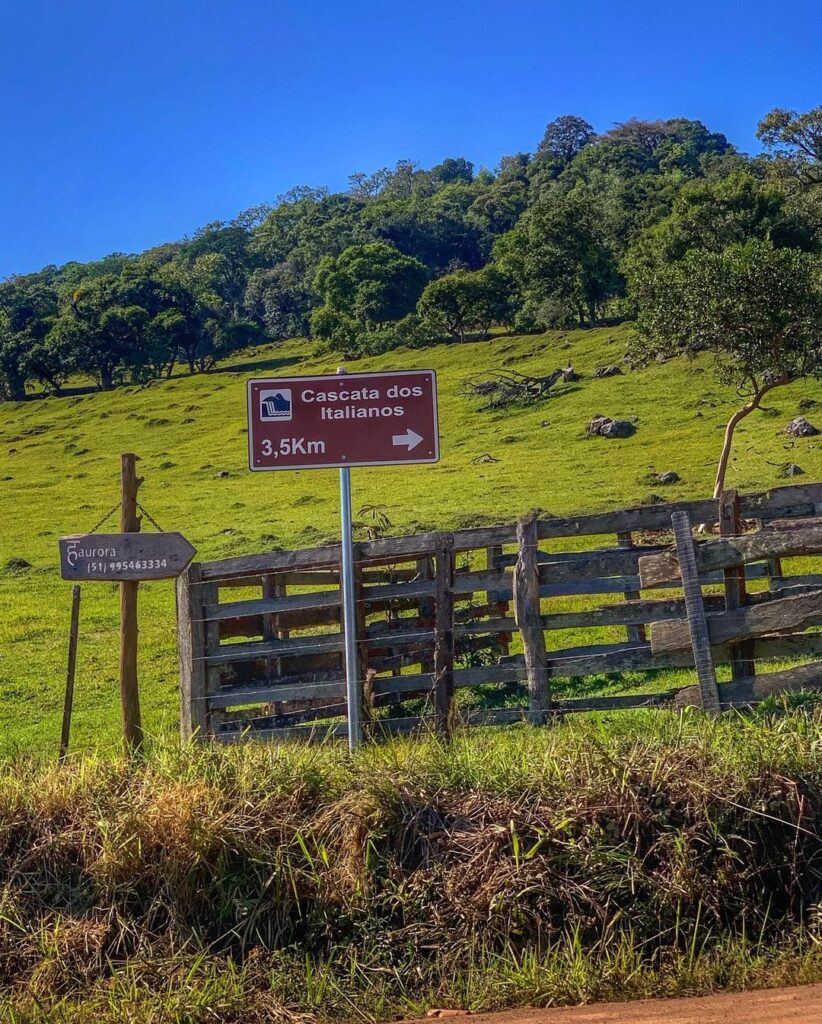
pixel 124 556
pixel 334 421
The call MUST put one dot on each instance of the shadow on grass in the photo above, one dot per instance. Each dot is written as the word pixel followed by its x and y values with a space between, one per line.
pixel 276 363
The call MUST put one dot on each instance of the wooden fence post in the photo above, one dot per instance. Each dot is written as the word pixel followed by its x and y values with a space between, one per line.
pixel 695 608
pixel 191 639
pixel 129 691
pixel 636 634
pixel 273 588
pixel 365 675
pixel 444 634
pixel 730 525
pixel 497 598
pixel 527 612
pixel 427 610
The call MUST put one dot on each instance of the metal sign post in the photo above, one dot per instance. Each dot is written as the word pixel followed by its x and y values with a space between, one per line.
pixel 322 422
pixel 352 668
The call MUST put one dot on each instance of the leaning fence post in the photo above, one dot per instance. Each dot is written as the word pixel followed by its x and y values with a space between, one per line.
pixel 68 703
pixel 444 634
pixel 529 623
pixel 695 609
pixel 191 635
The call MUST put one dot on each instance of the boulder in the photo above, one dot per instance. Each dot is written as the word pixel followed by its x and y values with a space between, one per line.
pixel 800 427
pixel 597 423
pixel 618 428
pixel 604 426
pixel 669 477
pixel 791 469
pixel 607 371
pixel 14 565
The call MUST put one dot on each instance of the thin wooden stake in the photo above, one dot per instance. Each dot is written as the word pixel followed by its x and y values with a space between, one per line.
pixel 129 691
pixel 527 612
pixel 68 703
pixel 444 634
pixel 695 608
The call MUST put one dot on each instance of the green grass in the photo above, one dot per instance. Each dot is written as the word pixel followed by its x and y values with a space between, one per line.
pixel 650 854
pixel 59 464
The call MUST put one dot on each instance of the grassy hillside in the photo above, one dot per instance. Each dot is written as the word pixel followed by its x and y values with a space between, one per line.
pixel 59 474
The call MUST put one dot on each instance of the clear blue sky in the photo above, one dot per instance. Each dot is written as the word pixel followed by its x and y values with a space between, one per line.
pixel 126 123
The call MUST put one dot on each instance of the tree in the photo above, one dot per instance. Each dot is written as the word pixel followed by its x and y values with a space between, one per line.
pixel 795 139
pixel 363 289
pixel 103 335
pixel 29 305
pixel 279 299
pixel 557 253
pixel 13 365
pixel 755 308
pixel 457 302
pixel 453 169
pixel 564 138
pixel 711 215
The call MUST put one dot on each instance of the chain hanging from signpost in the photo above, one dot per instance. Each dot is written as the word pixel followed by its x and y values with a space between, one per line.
pixel 336 422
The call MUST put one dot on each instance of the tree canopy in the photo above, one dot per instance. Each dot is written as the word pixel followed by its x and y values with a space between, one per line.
pixel 573 233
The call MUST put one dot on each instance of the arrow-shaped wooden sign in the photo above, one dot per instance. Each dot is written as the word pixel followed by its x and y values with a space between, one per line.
pixel 124 556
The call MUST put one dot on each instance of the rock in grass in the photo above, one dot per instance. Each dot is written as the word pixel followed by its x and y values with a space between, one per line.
pixel 607 371
pixel 669 477
pixel 800 427
pixel 604 426
pixel 14 565
pixel 791 469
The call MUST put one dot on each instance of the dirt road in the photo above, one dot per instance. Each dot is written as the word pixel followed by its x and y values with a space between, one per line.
pixel 774 1006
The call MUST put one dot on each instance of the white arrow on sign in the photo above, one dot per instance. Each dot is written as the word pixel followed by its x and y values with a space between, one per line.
pixel 410 439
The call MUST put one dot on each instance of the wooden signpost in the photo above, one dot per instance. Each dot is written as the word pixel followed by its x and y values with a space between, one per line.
pixel 125 558
pixel 119 557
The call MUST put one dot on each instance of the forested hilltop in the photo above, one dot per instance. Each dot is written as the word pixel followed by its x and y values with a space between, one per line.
pixel 590 227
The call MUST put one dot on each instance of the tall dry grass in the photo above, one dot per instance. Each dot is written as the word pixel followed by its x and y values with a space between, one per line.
pixel 596 859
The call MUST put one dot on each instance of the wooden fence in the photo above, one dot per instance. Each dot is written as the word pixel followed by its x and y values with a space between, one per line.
pixel 261 642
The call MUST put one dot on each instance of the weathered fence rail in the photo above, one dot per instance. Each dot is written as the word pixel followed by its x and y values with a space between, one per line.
pixel 261 642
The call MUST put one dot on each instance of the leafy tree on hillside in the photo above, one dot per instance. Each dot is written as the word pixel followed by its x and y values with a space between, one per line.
pixel 29 304
pixel 711 215
pixel 557 255
pixel 755 308
pixel 466 299
pixel 363 289
pixel 564 138
pixel 453 169
pixel 278 297
pixel 14 372
pixel 796 140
